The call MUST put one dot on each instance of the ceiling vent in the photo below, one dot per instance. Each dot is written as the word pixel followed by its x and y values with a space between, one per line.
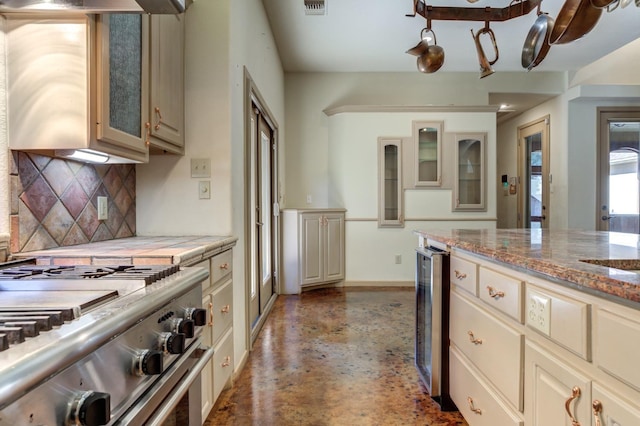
pixel 315 7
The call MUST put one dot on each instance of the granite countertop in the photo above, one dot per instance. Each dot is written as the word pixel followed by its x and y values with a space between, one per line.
pixel 187 250
pixel 605 264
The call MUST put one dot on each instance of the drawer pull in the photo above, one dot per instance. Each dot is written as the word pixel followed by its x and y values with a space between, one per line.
pixel 473 339
pixel 210 314
pixel 226 362
pixel 225 309
pixel 224 266
pixel 495 294
pixel 597 409
pixel 472 408
pixel 460 275
pixel 575 394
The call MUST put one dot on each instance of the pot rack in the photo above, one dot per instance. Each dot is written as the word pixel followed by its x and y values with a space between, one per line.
pixel 516 9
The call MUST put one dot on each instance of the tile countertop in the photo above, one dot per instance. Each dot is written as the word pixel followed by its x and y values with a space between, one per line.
pixel 559 255
pixel 187 250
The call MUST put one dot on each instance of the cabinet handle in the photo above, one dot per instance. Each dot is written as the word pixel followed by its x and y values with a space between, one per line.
pixel 226 362
pixel 495 294
pixel 159 122
pixel 472 408
pixel 147 126
pixel 473 340
pixel 575 393
pixel 210 314
pixel 224 266
pixel 225 309
pixel 460 275
pixel 597 409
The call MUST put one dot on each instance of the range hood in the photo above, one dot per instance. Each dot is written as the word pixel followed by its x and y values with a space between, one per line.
pixel 96 6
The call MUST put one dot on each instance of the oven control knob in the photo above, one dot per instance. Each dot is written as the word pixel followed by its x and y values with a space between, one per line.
pixel 198 315
pixel 172 343
pixel 184 326
pixel 90 409
pixel 148 363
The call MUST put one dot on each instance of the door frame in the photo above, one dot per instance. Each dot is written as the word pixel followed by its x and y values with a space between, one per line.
pixel 546 170
pixel 604 114
pixel 252 97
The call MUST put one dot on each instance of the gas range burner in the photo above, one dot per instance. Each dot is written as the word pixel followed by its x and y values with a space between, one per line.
pixel 149 274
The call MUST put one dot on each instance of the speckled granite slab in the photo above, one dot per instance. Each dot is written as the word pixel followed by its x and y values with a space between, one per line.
pixel 606 264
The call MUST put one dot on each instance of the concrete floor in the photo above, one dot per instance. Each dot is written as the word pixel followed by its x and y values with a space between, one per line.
pixel 333 357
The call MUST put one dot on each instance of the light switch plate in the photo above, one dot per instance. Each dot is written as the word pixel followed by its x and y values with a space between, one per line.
pixel 204 190
pixel 103 208
pixel 200 167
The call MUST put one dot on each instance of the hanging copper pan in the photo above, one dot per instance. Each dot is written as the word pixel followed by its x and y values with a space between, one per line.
pixel 575 19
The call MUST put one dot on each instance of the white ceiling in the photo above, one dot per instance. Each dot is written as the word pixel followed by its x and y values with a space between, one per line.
pixel 373 36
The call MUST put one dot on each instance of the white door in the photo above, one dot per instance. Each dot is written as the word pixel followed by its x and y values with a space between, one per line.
pixel 533 174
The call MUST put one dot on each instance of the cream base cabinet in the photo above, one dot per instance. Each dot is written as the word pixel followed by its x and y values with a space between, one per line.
pixel 313 248
pixel 217 299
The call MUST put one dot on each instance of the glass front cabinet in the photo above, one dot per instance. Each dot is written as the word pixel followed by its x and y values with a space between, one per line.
pixel 390 192
pixel 427 137
pixel 469 185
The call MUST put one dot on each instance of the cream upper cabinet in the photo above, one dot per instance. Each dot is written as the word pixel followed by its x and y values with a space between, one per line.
pixel 166 84
pixel 54 61
pixel 469 184
pixel 313 248
pixel 427 141
pixel 390 191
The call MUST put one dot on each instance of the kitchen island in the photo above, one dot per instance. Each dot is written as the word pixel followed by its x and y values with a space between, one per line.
pixel 544 325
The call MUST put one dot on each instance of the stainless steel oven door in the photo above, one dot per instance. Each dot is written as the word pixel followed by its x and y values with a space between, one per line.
pixel 176 398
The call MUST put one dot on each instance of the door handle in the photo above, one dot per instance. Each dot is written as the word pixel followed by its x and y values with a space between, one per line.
pixel 605 217
pixel 259 223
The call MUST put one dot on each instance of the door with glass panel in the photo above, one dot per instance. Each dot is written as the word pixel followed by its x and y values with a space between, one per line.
pixel 619 144
pixel 533 174
pixel 262 211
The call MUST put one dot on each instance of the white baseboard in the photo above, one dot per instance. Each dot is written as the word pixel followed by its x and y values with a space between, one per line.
pixel 379 284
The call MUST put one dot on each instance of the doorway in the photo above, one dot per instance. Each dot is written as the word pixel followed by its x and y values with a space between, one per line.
pixel 618 170
pixel 262 224
pixel 533 174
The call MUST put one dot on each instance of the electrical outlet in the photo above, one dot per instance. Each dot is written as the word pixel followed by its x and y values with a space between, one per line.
pixel 103 208
pixel 309 199
pixel 398 259
pixel 539 312
pixel 200 167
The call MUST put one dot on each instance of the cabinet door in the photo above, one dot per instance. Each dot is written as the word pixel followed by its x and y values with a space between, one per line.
pixel 555 392
pixel 610 409
pixel 469 186
pixel 333 231
pixel 311 248
pixel 207 373
pixel 122 67
pixel 390 193
pixel 427 141
pixel 166 83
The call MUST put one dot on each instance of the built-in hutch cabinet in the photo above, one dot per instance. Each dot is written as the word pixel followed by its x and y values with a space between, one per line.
pixel 390 196
pixel 427 145
pixel 527 351
pixel 313 248
pixel 469 186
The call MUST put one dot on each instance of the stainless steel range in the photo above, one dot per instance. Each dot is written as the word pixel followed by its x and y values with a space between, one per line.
pixel 100 345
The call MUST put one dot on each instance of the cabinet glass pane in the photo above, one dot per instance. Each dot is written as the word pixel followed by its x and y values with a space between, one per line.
pixel 391 162
pixel 427 154
pixel 470 171
pixel 125 73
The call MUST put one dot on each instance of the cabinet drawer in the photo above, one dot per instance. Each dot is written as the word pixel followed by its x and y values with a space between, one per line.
pixel 222 363
pixel 496 349
pixel 221 310
pixel 564 320
pixel 617 345
pixel 502 292
pixel 464 274
pixel 611 409
pixel 479 405
pixel 221 266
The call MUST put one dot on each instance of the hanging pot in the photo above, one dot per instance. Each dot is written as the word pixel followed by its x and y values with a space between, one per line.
pixel 575 19
pixel 536 45
pixel 430 57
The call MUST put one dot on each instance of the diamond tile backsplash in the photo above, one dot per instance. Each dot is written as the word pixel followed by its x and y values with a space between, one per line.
pixel 54 202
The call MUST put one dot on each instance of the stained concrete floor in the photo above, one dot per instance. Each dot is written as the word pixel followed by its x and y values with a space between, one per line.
pixel 333 357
